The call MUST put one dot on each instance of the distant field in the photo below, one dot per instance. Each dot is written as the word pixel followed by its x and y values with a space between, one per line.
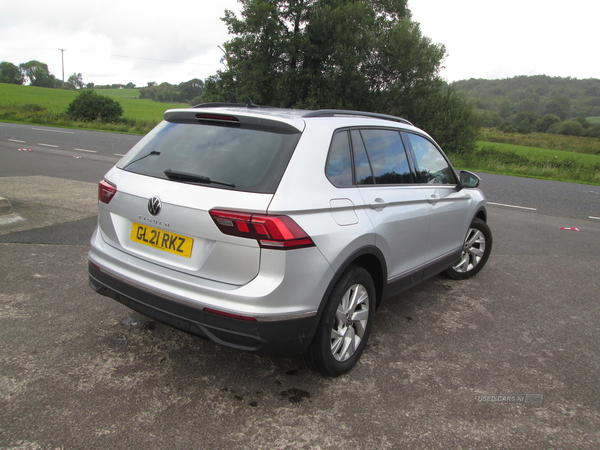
pixel 577 144
pixel 593 120
pixel 57 100
pixel 510 159
pixel 120 93
pixel 543 154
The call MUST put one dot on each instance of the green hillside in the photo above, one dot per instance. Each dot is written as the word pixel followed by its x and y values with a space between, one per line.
pixel 57 100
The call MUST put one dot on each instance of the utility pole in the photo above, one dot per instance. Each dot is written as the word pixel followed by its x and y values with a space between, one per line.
pixel 63 50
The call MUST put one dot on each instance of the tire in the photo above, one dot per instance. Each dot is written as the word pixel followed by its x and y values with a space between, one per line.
pixel 476 251
pixel 345 325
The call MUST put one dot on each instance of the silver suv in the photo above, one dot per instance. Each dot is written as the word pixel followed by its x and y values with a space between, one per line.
pixel 282 231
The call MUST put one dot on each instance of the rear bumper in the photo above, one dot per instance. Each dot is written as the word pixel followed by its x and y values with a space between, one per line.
pixel 282 337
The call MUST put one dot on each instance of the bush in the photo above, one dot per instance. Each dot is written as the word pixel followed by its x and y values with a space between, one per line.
pixel 543 124
pixel 571 128
pixel 508 127
pixel 89 107
pixel 593 131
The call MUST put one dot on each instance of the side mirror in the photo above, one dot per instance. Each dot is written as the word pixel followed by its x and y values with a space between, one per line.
pixel 468 180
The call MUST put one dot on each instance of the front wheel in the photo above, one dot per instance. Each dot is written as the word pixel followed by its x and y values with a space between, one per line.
pixel 345 324
pixel 475 253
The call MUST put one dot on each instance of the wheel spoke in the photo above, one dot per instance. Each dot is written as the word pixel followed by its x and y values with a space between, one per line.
pixel 360 315
pixel 360 328
pixel 475 236
pixel 476 252
pixel 341 315
pixel 348 347
pixel 473 251
pixel 350 322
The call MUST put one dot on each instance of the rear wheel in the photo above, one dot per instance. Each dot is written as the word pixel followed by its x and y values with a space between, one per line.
pixel 345 324
pixel 475 253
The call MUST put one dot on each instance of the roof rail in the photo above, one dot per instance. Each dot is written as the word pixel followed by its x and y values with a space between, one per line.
pixel 345 112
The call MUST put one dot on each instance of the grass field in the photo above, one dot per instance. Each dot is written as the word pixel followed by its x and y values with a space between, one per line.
pixel 544 140
pixel 57 100
pixel 508 159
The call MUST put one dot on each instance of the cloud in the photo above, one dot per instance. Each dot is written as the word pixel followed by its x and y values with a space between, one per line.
pixel 117 41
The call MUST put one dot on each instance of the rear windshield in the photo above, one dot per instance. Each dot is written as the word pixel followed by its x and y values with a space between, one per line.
pixel 246 159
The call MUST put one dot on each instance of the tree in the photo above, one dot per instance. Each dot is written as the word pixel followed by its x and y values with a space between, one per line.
pixel 90 106
pixel 163 92
pixel 559 105
pixel 9 73
pixel 352 54
pixel 191 89
pixel 38 74
pixel 543 124
pixel 75 82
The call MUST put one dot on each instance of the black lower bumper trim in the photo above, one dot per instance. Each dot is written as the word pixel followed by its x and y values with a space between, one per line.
pixel 285 337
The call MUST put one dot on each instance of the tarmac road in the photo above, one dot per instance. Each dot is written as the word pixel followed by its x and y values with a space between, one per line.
pixel 506 360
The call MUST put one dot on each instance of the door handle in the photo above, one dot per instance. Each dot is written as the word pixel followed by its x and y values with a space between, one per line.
pixel 433 199
pixel 379 204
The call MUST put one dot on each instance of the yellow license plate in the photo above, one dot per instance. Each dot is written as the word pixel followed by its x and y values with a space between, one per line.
pixel 162 240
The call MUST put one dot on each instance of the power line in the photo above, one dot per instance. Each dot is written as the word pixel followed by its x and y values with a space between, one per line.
pixel 147 59
pixel 122 56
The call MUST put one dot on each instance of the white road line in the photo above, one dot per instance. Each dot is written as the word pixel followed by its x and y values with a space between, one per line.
pixel 49 145
pixel 513 206
pixel 20 142
pixel 53 131
pixel 87 151
pixel 119 154
pixel 596 218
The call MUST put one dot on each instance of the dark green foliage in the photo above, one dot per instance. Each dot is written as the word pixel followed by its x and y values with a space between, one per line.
pixel 38 74
pixel 536 104
pixel 350 54
pixel 543 124
pixel 489 118
pixel 9 73
pixel 183 93
pixel 90 106
pixel 562 97
pixel 447 117
pixel 594 131
pixel 571 128
pixel 508 127
pixel 75 82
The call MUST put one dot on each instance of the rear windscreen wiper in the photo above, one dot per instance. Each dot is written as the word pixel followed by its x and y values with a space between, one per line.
pixel 192 178
pixel 152 153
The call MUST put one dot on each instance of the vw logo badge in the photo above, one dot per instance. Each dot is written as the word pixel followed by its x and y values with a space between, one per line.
pixel 154 206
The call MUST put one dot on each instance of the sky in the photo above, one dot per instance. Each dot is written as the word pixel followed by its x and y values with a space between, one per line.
pixel 140 42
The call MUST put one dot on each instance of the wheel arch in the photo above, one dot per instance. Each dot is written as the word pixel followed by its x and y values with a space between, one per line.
pixel 481 214
pixel 372 260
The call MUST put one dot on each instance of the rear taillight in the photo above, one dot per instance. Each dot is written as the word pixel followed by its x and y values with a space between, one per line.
pixel 276 232
pixel 106 191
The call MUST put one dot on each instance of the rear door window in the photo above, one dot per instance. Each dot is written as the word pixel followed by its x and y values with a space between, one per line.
pixel 378 157
pixel 387 156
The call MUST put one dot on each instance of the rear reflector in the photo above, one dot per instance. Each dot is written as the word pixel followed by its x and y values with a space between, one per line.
pixel 231 316
pixel 276 232
pixel 106 191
